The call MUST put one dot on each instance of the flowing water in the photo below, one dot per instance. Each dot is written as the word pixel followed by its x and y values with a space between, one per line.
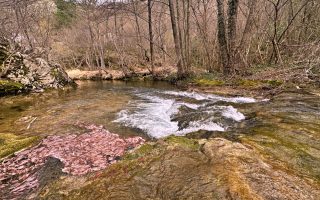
pixel 285 129
pixel 154 110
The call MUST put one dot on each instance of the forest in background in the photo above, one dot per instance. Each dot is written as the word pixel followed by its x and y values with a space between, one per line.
pixel 230 37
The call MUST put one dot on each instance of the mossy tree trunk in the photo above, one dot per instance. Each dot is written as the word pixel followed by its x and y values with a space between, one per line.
pixel 227 35
pixel 222 38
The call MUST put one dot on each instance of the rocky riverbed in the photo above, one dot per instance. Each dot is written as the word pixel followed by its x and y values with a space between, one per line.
pixel 222 147
pixel 179 168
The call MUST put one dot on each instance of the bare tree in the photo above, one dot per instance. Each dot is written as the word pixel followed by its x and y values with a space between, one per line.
pixel 151 35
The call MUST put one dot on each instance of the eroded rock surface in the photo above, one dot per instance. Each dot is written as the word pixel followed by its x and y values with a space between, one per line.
pixel 179 168
pixel 249 177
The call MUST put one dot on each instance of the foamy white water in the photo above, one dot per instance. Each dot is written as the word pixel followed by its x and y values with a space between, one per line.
pixel 154 111
pixel 199 96
pixel 200 125
pixel 232 113
pixel 152 116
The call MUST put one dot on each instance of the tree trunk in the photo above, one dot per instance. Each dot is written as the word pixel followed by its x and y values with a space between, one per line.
pixel 176 37
pixel 138 29
pixel 245 40
pixel 232 31
pixel 222 38
pixel 151 35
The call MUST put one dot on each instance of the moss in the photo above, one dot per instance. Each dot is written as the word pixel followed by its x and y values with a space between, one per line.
pixel 183 141
pixel 258 83
pixel 10 143
pixel 145 149
pixel 57 74
pixel 207 82
pixel 141 151
pixel 280 143
pixel 274 83
pixel 10 87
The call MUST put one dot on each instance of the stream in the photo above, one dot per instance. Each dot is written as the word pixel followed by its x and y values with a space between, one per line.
pixel 285 129
pixel 152 110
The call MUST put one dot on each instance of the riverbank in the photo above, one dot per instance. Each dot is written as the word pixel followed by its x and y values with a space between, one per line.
pixel 133 73
pixel 259 83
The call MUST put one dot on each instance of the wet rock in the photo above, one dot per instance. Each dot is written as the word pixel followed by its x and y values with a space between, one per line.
pixel 170 169
pixel 180 168
pixel 51 170
pixel 248 176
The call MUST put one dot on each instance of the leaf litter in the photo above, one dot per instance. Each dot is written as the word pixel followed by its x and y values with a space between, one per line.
pixel 80 154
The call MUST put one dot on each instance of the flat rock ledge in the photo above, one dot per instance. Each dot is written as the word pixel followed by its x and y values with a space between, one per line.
pixel 181 168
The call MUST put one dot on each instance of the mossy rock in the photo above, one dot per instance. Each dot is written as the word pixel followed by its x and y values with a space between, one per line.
pixel 140 152
pixel 10 87
pixel 10 143
pixel 183 141
pixel 168 163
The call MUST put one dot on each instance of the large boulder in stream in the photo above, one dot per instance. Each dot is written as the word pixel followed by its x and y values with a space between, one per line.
pixel 181 168
pixel 31 70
